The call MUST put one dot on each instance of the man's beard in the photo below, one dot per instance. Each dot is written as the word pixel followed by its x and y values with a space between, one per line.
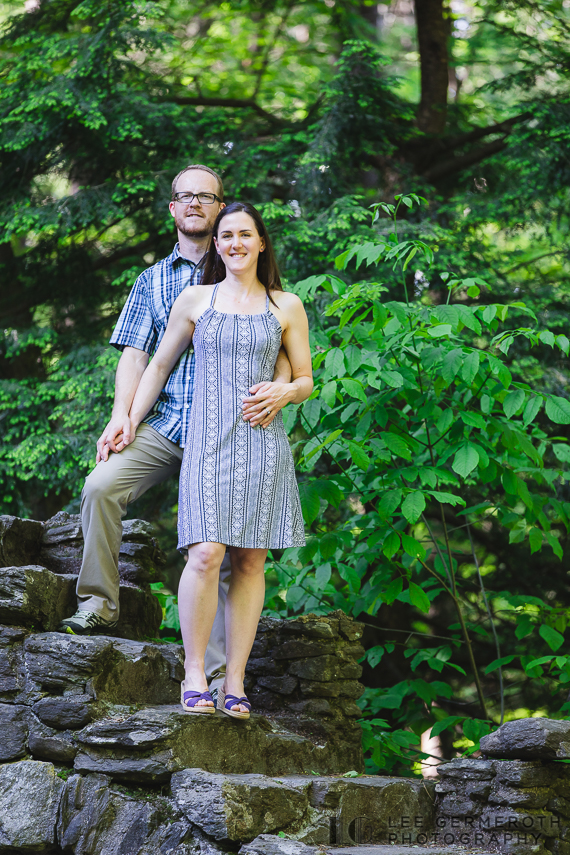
pixel 200 230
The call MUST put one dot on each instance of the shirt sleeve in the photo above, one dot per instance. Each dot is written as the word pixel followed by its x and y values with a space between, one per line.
pixel 136 327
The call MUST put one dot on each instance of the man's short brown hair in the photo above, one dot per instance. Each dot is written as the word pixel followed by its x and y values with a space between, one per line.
pixel 204 169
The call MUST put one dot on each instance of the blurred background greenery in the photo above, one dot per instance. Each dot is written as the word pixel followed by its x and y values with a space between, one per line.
pixel 313 111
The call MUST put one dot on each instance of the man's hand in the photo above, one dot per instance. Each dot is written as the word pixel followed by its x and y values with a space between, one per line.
pixel 116 435
pixel 265 401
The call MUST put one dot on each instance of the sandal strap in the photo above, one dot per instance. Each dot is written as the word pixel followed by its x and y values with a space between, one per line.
pixel 233 701
pixel 191 698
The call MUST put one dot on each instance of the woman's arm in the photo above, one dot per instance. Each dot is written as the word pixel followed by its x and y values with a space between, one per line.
pixel 176 339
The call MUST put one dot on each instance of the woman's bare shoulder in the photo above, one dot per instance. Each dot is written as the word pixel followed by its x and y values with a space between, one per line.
pixel 286 300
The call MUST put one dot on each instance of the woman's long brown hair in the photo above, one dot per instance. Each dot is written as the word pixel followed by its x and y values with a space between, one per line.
pixel 267 270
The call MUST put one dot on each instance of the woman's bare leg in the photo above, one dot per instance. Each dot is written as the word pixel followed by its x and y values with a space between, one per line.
pixel 243 610
pixel 197 604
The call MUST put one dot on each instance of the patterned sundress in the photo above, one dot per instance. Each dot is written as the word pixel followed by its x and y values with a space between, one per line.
pixel 237 482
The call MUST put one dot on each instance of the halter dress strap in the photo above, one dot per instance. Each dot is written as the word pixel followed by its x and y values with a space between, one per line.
pixel 267 303
pixel 212 301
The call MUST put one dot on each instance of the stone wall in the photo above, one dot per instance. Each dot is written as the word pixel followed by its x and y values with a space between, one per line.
pixel 516 799
pixel 96 754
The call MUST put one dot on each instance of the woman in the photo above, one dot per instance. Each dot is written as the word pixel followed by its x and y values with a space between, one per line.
pixel 237 482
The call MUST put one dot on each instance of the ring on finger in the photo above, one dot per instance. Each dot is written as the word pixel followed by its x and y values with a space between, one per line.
pixel 268 411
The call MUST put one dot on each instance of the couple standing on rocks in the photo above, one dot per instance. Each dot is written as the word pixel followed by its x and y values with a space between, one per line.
pixel 217 421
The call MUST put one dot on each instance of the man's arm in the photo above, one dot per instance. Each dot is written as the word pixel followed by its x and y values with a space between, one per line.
pixel 282 373
pixel 129 372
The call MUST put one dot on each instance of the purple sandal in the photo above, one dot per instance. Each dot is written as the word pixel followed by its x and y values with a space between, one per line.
pixel 190 698
pixel 227 701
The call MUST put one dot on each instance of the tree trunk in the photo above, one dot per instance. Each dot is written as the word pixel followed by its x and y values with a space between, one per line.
pixel 432 40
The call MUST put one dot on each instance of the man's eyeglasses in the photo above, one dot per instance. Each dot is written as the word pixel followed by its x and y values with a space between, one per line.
pixel 188 198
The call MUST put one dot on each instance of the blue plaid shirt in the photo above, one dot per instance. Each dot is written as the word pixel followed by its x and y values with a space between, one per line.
pixel 142 324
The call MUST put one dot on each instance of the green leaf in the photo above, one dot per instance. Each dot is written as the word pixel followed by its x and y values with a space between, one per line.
pixel 465 460
pixel 447 498
pixel 322 576
pixel 392 378
pixel 558 409
pixel 389 502
pixel 513 402
pixel 535 539
pixel 562 452
pixel 413 506
pixel 470 367
pixel 445 420
pixel 510 482
pixel 354 389
pixel 391 544
pixel 563 343
pixel 531 409
pixel 445 724
pixel 412 547
pixel 498 663
pixel 439 331
pixel 451 365
pixel 310 502
pixel 330 438
pixel 392 591
pixel 547 337
pixel 473 419
pixel 328 393
pixel 334 363
pixel 553 638
pixel 418 598
pixel 358 455
pixel 554 543
pixel 396 445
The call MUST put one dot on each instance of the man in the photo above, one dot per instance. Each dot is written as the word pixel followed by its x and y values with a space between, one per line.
pixel 156 452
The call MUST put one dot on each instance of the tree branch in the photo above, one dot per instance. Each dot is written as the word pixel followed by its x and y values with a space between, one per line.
pixel 456 164
pixel 235 103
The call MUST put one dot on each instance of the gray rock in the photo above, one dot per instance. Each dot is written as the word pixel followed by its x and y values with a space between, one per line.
pixel 96 818
pixel 118 671
pixel 537 797
pixel 126 770
pixel 300 649
pixel 30 793
pixel 471 768
pixel 33 596
pixel 372 808
pixel 140 556
pixel 63 528
pixel 340 688
pixel 312 626
pixel 14 729
pixel 239 807
pixel 20 541
pixel 282 685
pixel 46 743
pixel 529 739
pixel 525 773
pixel 12 670
pixel 269 844
pixel 215 743
pixel 325 669
pixel 71 711
pixel 138 531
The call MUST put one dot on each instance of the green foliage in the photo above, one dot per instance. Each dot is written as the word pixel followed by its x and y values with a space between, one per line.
pixel 418 421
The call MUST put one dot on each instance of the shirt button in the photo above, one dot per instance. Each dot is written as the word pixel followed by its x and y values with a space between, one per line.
pixel 186 406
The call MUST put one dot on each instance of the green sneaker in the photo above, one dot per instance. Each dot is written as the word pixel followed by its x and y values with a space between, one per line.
pixel 83 622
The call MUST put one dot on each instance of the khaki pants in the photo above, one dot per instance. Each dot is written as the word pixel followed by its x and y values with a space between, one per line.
pixel 150 459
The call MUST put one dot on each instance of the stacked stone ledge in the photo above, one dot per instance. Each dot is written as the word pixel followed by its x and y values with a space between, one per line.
pixel 516 799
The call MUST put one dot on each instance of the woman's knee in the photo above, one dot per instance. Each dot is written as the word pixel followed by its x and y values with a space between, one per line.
pixel 205 557
pixel 248 562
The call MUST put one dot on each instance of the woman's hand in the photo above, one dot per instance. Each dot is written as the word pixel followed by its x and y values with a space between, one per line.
pixel 265 401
